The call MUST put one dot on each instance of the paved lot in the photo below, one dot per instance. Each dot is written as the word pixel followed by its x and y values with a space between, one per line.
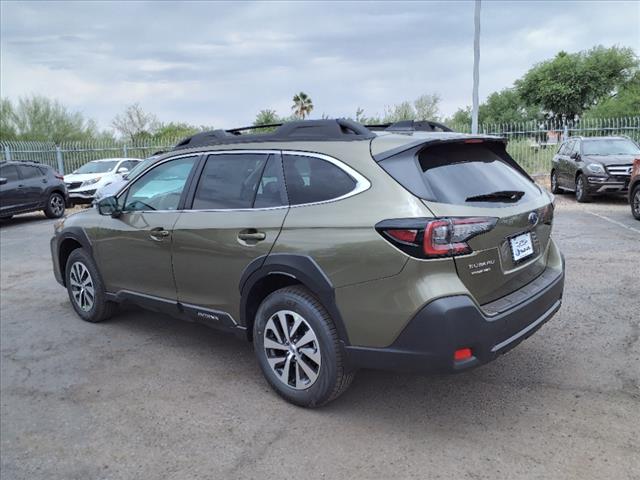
pixel 146 396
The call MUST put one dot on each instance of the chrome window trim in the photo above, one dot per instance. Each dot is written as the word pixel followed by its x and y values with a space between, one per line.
pixel 362 183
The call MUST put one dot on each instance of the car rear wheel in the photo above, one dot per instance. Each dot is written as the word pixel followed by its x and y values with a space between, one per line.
pixel 55 206
pixel 554 183
pixel 85 288
pixel 582 195
pixel 297 347
pixel 635 202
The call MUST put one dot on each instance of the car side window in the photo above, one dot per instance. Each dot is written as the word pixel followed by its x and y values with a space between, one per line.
pixel 161 187
pixel 10 172
pixel 229 181
pixel 271 191
pixel 569 147
pixel 128 164
pixel 28 172
pixel 311 180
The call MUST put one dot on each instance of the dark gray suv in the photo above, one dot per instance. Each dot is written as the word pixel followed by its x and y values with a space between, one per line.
pixel 591 166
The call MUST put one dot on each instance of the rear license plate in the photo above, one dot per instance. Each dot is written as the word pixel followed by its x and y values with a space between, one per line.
pixel 521 247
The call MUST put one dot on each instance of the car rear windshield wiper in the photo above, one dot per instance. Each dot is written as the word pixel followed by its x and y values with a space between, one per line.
pixel 500 196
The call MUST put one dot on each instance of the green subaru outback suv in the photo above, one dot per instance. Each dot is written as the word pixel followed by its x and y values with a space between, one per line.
pixel 329 245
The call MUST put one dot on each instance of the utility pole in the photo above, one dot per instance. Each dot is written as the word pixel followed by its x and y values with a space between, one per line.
pixel 476 67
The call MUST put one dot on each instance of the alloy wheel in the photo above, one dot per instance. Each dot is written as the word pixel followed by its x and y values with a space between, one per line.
pixel 57 205
pixel 636 202
pixel 554 182
pixel 82 287
pixel 292 349
pixel 579 187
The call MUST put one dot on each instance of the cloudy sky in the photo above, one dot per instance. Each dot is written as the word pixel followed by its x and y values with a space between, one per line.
pixel 220 63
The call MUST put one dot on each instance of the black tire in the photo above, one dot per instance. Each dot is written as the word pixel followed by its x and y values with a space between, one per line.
pixel 582 195
pixel 101 309
pixel 55 206
pixel 332 378
pixel 554 183
pixel 634 200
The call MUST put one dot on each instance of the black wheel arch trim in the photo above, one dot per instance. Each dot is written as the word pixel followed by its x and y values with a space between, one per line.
pixel 305 270
pixel 76 234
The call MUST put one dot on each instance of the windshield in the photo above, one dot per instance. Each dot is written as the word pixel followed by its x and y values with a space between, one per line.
pixel 97 167
pixel 609 147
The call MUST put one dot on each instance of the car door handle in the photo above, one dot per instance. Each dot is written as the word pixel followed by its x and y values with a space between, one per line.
pixel 159 234
pixel 252 235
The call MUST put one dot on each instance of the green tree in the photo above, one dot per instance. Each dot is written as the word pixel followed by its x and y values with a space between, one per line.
pixel 624 103
pixel 425 107
pixel 266 117
pixel 302 105
pixel 38 118
pixel 174 130
pixel 461 118
pixel 569 84
pixel 506 106
pixel 135 124
pixel 7 124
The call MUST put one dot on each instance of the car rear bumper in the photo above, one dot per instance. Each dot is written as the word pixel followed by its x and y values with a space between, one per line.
pixel 428 342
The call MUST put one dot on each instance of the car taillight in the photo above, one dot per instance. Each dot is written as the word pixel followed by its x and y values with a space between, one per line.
pixel 434 238
pixel 59 177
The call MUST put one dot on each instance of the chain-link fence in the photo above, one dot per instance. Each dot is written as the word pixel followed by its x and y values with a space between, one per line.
pixel 531 144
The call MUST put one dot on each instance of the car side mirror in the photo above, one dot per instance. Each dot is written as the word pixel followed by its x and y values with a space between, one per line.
pixel 123 170
pixel 574 155
pixel 3 181
pixel 109 206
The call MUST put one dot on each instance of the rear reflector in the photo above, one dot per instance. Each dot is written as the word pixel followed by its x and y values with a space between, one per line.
pixel 462 354
pixel 474 140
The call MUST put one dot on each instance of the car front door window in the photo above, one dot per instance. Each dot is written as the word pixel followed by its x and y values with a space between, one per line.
pixel 161 188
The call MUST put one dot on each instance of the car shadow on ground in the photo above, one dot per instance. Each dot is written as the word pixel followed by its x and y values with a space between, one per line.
pixel 23 220
pixel 389 397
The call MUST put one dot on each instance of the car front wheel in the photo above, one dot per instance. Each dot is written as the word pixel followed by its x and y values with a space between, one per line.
pixel 55 206
pixel 297 347
pixel 582 195
pixel 635 202
pixel 85 288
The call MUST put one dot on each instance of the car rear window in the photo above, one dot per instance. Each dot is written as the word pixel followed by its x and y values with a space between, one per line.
pixel 456 173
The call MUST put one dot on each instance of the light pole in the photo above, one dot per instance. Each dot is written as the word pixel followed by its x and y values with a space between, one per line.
pixel 476 67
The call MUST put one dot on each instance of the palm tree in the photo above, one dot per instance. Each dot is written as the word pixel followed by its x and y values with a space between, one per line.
pixel 302 105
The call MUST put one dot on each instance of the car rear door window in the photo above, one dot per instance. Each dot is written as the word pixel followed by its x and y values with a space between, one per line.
pixel 10 172
pixel 271 191
pixel 229 181
pixel 312 180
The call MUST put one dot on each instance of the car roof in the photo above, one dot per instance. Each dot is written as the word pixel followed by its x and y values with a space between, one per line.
pixel 114 159
pixel 32 163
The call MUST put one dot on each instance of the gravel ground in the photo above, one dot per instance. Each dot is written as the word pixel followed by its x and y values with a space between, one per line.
pixel 147 396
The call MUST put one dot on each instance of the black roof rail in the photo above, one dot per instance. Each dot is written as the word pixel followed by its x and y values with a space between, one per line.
pixel 301 130
pixel 411 126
